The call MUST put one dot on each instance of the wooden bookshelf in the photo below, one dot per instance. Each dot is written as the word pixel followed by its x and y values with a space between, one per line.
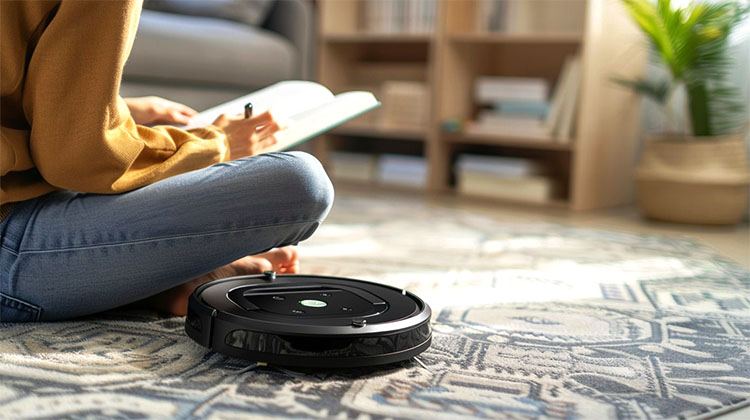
pixel 595 168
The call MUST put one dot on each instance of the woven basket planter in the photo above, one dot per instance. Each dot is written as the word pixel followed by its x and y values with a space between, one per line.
pixel 700 180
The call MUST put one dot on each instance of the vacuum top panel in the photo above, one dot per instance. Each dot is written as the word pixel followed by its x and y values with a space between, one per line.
pixel 320 305
pixel 309 321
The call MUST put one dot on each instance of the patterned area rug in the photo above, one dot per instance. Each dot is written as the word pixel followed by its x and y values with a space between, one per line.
pixel 530 321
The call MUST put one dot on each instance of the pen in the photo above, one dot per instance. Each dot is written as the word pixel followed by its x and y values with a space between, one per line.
pixel 248 110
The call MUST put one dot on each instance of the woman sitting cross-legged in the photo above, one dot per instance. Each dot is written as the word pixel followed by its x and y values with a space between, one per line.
pixel 101 210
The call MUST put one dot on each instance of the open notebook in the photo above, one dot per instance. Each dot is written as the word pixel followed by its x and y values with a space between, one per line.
pixel 303 109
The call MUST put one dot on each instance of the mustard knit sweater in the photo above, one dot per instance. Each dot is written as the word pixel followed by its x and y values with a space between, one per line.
pixel 64 125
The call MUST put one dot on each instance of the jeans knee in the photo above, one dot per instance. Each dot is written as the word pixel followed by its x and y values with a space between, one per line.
pixel 307 183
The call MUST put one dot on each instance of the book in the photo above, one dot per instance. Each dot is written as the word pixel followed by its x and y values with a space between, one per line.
pixel 503 177
pixel 532 189
pixel 352 166
pixel 564 102
pixel 405 104
pixel 500 166
pixel 530 16
pixel 558 97
pixel 490 15
pixel 569 104
pixel 402 170
pixel 399 16
pixel 544 16
pixel 491 89
pixel 502 119
pixel 531 129
pixel 304 110
pixel 537 109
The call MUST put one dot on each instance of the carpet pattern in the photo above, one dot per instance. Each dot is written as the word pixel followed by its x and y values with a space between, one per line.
pixel 530 321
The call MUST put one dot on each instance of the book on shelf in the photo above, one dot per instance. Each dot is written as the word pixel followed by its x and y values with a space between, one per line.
pixel 405 105
pixel 352 166
pixel 491 89
pixel 402 170
pixel 503 178
pixel 530 16
pixel 532 189
pixel 399 16
pixel 304 109
pixel 490 16
pixel 500 166
pixel 537 109
pixel 569 103
pixel 564 102
pixel 521 108
pixel 489 123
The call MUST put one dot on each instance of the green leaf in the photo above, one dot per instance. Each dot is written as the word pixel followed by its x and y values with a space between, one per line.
pixel 658 91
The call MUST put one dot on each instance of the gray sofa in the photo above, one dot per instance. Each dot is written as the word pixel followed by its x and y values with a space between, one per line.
pixel 202 61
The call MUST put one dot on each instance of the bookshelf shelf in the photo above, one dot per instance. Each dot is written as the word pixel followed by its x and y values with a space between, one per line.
pixel 516 38
pixel 509 141
pixel 594 170
pixel 381 132
pixel 365 37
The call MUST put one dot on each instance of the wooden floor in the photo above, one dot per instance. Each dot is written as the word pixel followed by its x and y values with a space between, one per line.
pixel 732 242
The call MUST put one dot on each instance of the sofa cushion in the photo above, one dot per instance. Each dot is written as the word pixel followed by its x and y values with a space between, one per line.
pixel 251 12
pixel 195 49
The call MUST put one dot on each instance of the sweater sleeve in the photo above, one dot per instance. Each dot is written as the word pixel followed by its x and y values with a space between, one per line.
pixel 82 135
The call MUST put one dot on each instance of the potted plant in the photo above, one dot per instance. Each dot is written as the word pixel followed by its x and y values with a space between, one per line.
pixel 699 173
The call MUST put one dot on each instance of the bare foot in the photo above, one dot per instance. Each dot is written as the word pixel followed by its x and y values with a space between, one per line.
pixel 174 301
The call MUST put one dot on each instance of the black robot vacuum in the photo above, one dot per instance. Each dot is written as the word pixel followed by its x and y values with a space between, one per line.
pixel 308 321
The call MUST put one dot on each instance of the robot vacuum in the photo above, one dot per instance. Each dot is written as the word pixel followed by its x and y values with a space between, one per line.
pixel 308 321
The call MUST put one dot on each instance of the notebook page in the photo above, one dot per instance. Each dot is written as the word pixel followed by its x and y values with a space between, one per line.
pixel 312 122
pixel 284 99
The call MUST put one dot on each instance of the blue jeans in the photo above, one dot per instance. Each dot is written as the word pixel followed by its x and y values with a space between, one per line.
pixel 69 254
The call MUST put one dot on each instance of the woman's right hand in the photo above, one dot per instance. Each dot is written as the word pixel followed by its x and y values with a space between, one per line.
pixel 248 136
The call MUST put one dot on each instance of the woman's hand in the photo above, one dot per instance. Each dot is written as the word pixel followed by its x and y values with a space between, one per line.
pixel 248 136
pixel 150 110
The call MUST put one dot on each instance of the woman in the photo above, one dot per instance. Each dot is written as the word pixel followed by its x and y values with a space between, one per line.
pixel 99 210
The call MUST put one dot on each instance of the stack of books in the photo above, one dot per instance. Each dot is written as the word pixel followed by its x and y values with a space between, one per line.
pixel 352 166
pixel 399 16
pixel 504 178
pixel 402 170
pixel 521 108
pixel 386 169
pixel 405 105
pixel 511 106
